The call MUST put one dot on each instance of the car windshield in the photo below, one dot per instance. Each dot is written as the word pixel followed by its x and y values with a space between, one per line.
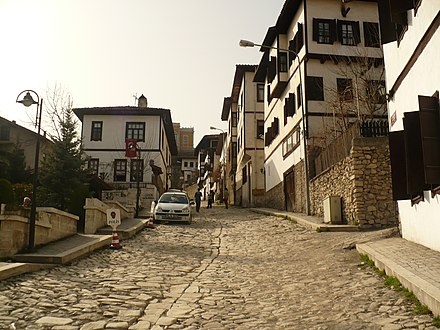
pixel 174 198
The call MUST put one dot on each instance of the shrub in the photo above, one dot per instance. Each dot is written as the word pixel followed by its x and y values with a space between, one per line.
pixel 6 192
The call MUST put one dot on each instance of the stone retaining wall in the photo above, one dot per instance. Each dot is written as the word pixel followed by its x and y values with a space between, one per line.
pixel 274 198
pixel 363 181
pixel 50 225
pixel 96 214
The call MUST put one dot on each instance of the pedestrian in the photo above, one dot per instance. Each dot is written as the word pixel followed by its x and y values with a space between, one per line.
pixel 226 197
pixel 198 198
pixel 210 199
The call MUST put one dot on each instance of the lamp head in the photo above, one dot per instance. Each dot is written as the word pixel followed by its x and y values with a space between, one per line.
pixel 212 127
pixel 27 100
pixel 246 43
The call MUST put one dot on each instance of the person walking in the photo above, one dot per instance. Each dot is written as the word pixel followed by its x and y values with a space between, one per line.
pixel 226 197
pixel 210 199
pixel 198 198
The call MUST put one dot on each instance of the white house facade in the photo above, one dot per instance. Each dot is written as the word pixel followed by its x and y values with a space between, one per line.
pixel 411 37
pixel 105 131
pixel 318 63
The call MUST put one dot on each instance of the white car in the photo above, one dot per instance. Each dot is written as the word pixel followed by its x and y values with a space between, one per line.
pixel 173 206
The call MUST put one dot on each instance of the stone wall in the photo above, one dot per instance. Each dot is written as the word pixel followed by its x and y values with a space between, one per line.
pixel 363 181
pixel 96 214
pixel 274 198
pixel 50 225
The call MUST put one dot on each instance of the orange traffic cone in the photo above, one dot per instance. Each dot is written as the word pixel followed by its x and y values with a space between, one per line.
pixel 115 241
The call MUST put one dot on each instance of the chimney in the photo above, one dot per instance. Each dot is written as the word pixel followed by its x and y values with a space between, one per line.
pixel 142 102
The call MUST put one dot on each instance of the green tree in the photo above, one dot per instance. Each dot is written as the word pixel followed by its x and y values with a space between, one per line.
pixel 62 173
pixel 17 166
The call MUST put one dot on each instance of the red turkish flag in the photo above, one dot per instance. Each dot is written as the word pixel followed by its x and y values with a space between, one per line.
pixel 130 148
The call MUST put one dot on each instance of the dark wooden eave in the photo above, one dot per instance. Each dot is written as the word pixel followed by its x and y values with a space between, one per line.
pixel 226 108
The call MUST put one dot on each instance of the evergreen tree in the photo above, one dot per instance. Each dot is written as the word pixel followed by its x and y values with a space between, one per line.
pixel 17 166
pixel 62 173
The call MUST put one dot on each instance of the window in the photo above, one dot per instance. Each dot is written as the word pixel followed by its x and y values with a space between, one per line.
pixel 260 129
pixel 136 167
pixel 345 89
pixel 244 174
pixel 94 165
pixel 96 134
pixel 191 164
pixel 120 173
pixel 290 143
pixel 4 133
pixel 314 88
pixel 324 31
pixel 282 62
pixel 348 32
pixel 135 131
pixel 260 92
pixel 371 34
pixel 185 164
pixel 185 140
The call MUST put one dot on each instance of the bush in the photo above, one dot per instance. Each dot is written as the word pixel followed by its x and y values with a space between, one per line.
pixel 6 192
pixel 22 190
pixel 77 200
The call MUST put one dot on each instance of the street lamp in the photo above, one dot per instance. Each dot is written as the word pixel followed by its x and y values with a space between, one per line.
pixel 247 43
pixel 224 157
pixel 27 101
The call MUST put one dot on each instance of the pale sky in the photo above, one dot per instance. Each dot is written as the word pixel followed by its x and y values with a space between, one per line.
pixel 181 54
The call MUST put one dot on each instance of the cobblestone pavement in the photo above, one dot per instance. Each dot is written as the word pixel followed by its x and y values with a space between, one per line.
pixel 229 269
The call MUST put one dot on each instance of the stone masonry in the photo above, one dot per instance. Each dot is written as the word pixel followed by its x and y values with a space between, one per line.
pixel 363 181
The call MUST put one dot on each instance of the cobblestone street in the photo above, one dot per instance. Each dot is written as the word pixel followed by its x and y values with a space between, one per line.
pixel 229 269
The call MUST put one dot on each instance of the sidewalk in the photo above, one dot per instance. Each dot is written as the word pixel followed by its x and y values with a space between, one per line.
pixel 68 249
pixel 416 266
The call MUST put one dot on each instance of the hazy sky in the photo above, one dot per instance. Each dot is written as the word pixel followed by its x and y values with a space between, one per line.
pixel 181 54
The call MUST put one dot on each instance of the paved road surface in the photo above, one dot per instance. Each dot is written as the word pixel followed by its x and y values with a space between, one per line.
pixel 229 269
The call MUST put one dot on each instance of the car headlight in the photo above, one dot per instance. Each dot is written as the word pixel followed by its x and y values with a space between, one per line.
pixel 158 209
pixel 185 209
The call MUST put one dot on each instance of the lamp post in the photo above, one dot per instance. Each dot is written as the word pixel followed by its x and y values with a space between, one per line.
pixel 224 158
pixel 247 43
pixel 27 101
pixel 138 170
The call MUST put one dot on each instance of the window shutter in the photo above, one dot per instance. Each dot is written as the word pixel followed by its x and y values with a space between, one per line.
pixel 430 136
pixel 292 107
pixel 272 69
pixel 292 47
pixel 339 25
pixel 414 157
pixel 398 168
pixel 300 38
pixel 398 6
pixel 315 36
pixel 333 36
pixel 356 33
pixel 387 27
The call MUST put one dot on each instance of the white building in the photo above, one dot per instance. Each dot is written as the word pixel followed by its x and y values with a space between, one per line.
pixel 104 133
pixel 244 110
pixel 411 38
pixel 314 96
